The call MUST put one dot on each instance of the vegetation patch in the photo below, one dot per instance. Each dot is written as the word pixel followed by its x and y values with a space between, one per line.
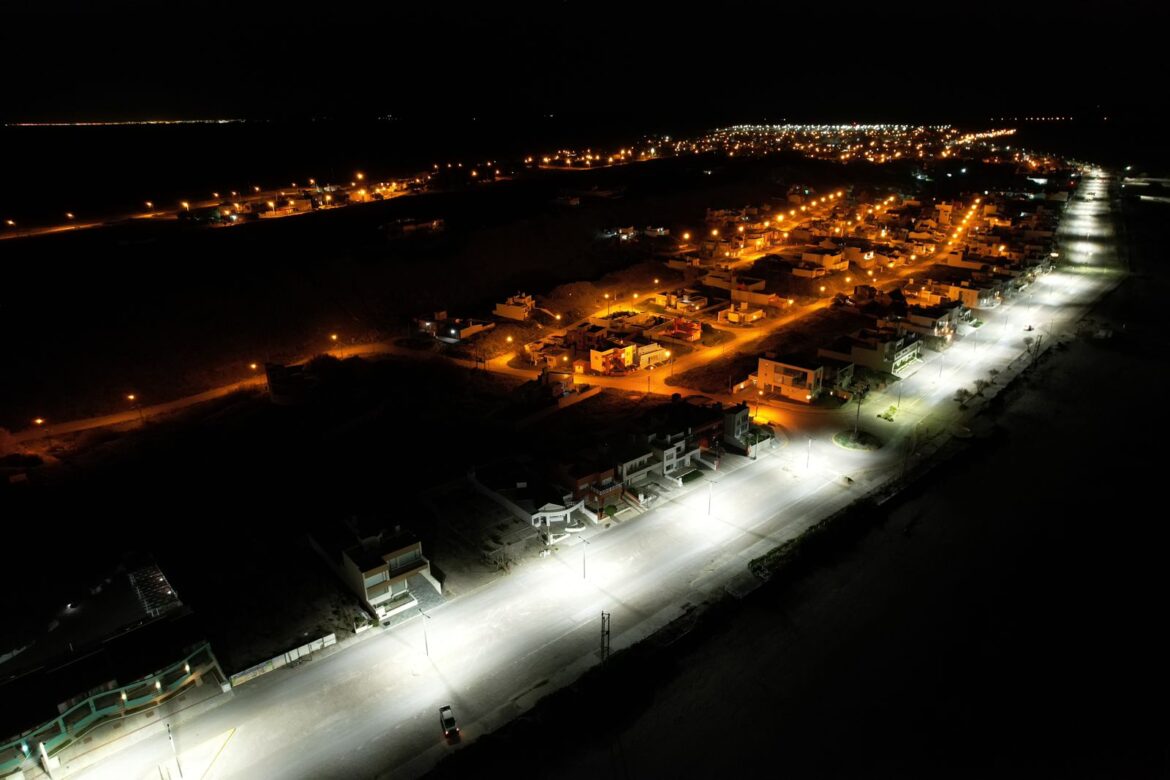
pixel 860 440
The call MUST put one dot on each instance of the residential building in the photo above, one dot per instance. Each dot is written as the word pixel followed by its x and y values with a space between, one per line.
pixel 549 352
pixel 675 450
pixel 716 248
pixel 452 329
pixel 737 422
pixel 586 335
pixel 649 353
pixel 741 314
pixel 889 350
pixel 634 462
pixel 938 321
pixel 728 280
pixel 528 497
pixel 379 565
pixel 797 377
pixel 972 294
pixel 681 329
pixel 591 482
pixel 702 422
pixel 516 307
pixel 549 384
pixel 685 301
pixel 829 259
pixel 612 357
pixel 633 322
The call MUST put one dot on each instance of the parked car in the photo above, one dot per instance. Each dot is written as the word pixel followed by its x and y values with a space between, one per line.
pixel 447 723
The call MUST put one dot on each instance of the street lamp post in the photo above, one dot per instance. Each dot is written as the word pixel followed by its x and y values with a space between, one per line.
pixel 857 420
pixel 808 455
pixel 426 642
pixel 174 751
pixel 583 551
pixel 40 423
pixel 133 399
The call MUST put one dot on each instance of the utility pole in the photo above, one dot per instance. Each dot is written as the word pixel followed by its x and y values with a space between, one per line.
pixel 857 421
pixel 174 752
pixel 604 636
pixel 426 642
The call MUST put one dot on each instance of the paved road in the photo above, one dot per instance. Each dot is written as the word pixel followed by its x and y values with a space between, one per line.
pixel 371 709
pixel 249 198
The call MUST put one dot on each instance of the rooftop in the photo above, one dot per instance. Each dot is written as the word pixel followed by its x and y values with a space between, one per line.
pixel 803 360
pixel 517 483
pixel 364 539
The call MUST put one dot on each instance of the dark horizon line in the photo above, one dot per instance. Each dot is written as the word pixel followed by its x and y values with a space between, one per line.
pixel 591 118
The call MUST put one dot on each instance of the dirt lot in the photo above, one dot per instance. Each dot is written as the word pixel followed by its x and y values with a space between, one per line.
pixel 806 334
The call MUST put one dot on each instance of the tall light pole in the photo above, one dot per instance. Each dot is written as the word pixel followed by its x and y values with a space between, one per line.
pixel 857 420
pixel 174 752
pixel 40 423
pixel 133 399
pixel 710 493
pixel 426 642
pixel 583 550
pixel 808 456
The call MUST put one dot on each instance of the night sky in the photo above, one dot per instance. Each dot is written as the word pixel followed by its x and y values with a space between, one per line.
pixel 727 61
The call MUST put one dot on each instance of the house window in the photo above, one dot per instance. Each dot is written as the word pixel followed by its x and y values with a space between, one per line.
pixel 375 579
